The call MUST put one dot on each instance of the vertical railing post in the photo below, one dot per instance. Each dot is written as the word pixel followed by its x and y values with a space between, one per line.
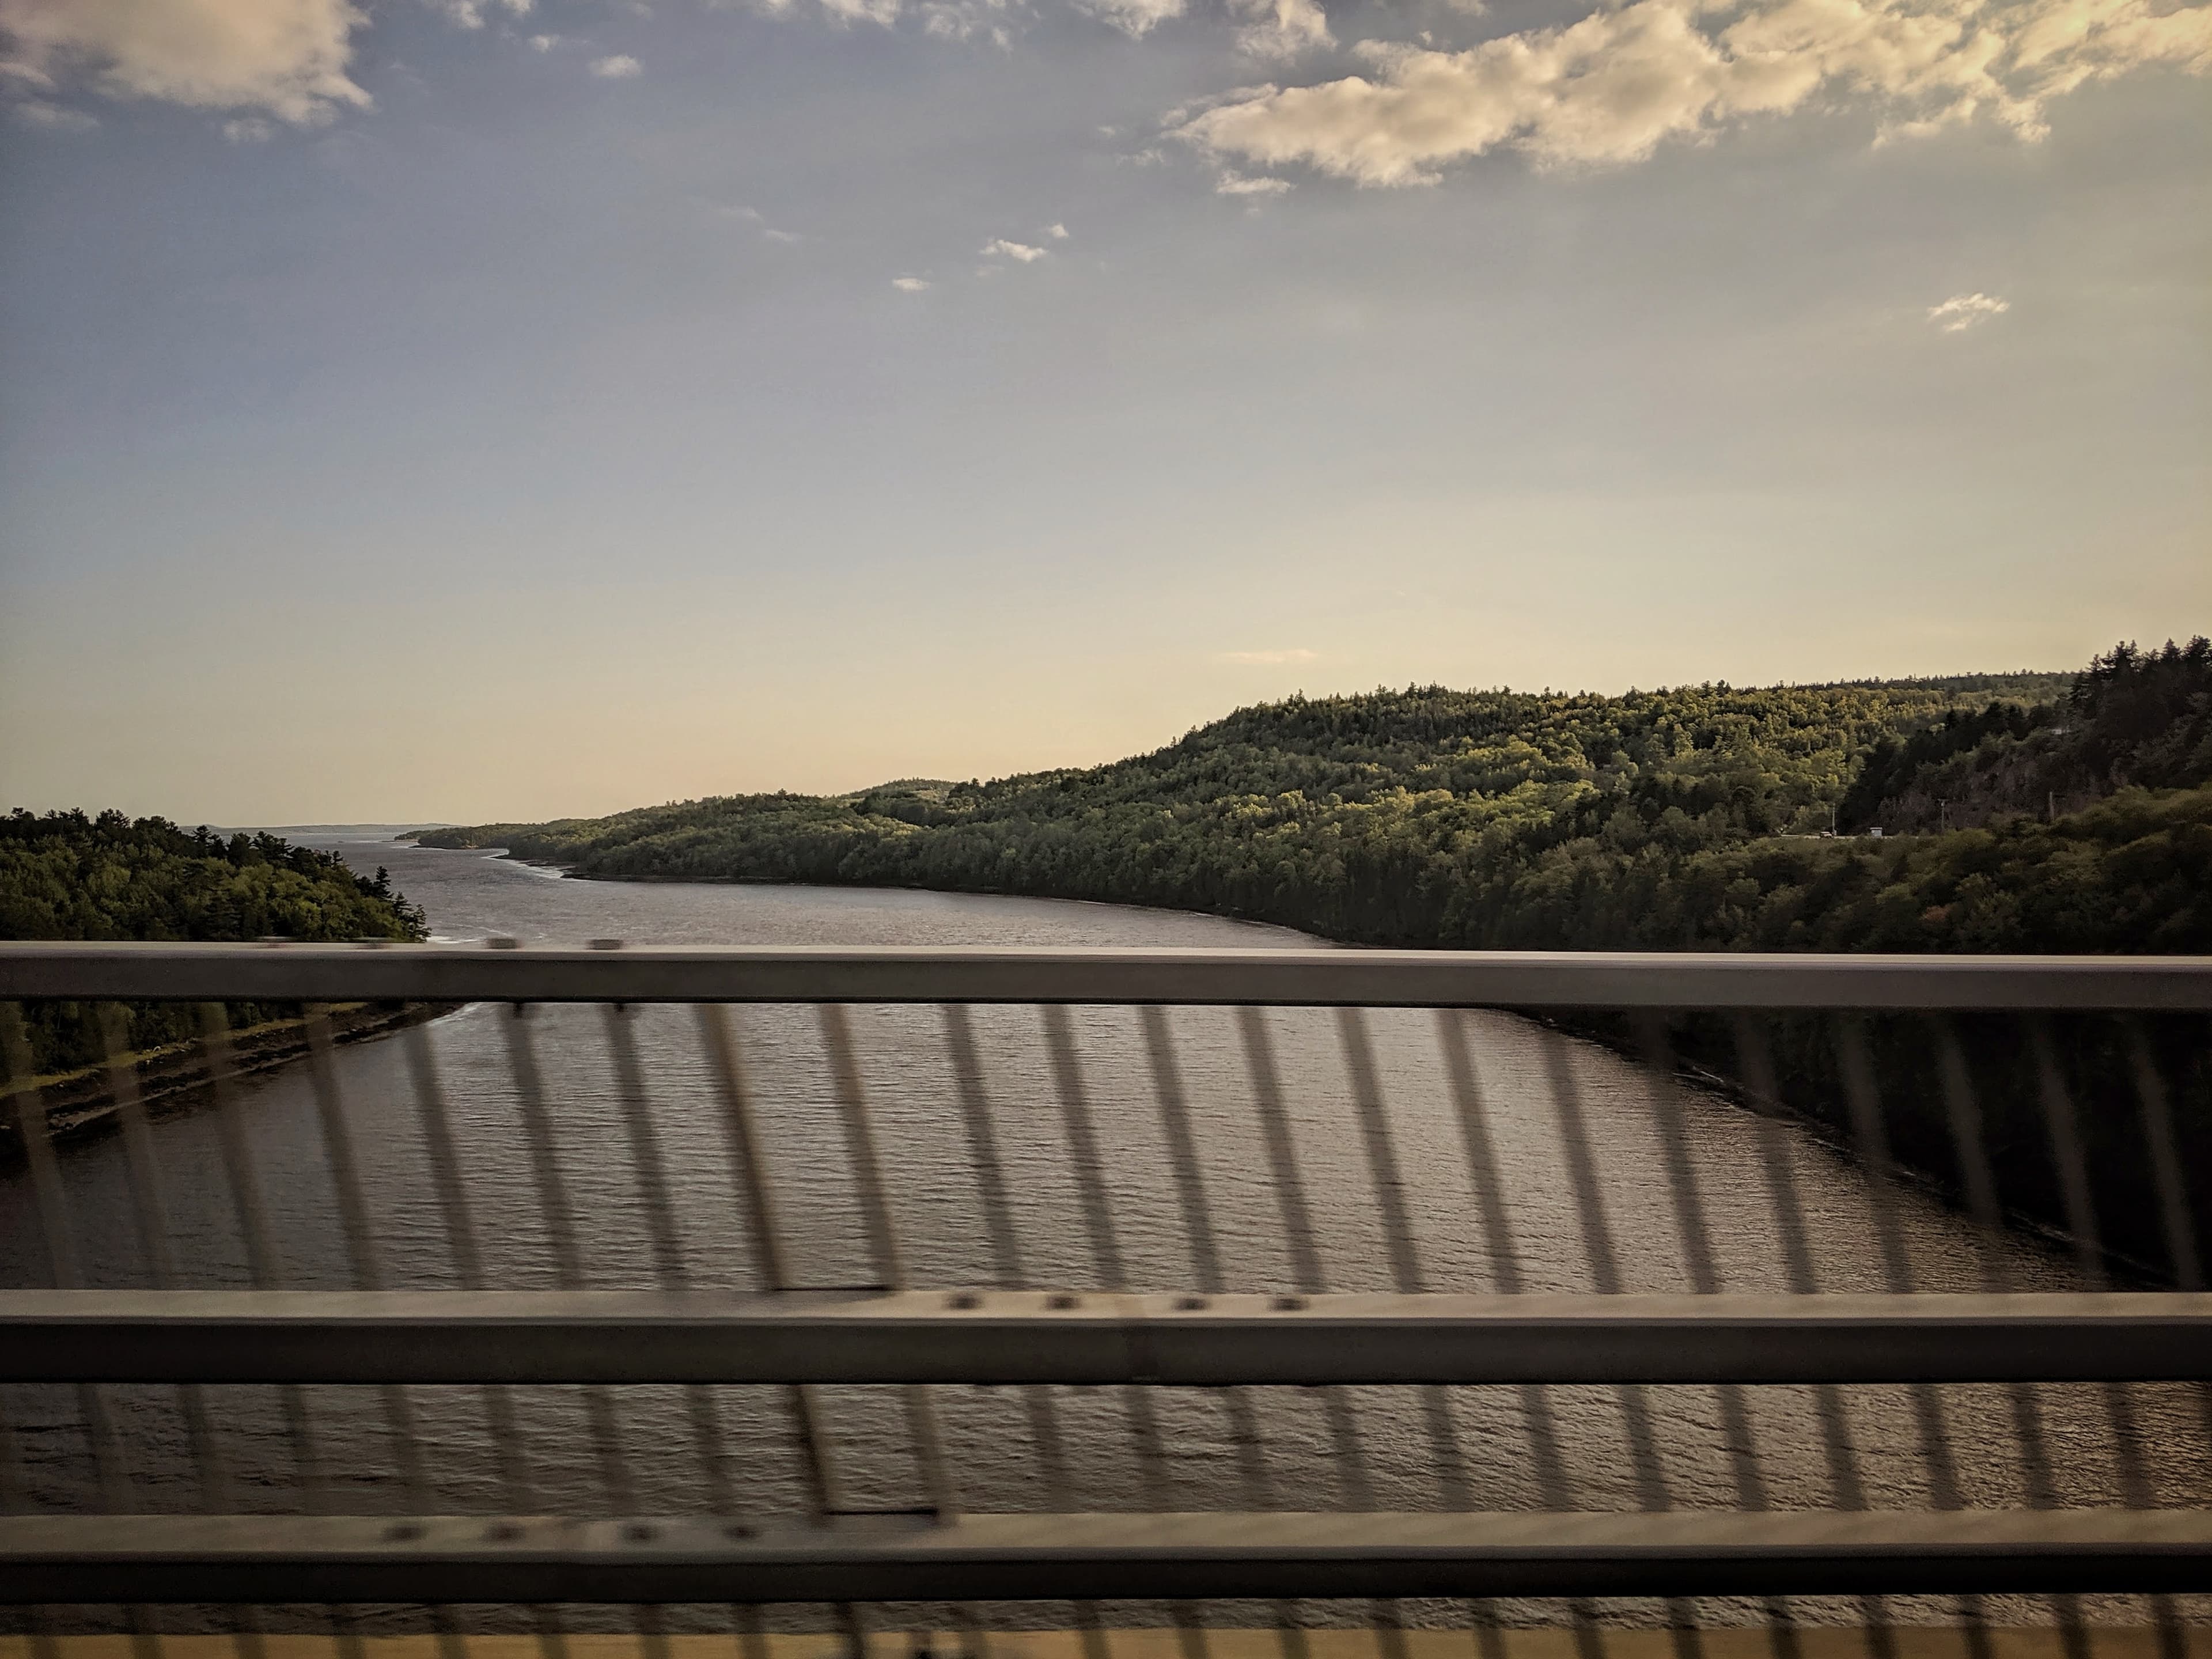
pixel 264 1264
pixel 1598 1247
pixel 1389 1183
pixel 153 1223
pixel 748 1155
pixel 1104 1239
pixel 667 1250
pixel 1695 1233
pixel 467 1260
pixel 1006 1267
pixel 2071 1161
pixel 1870 1138
pixel 559 1215
pixel 1540 1424
pixel 1168 1095
pixel 1978 1180
pixel 366 1270
pixel 1355 1490
pixel 882 1228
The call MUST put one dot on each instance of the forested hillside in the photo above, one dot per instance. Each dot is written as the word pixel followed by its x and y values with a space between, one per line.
pixel 2140 718
pixel 1677 819
pixel 68 876
pixel 1694 818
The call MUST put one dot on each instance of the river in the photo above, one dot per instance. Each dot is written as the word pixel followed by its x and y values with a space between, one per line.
pixel 471 896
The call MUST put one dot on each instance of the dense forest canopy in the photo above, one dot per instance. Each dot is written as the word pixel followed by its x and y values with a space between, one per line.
pixel 2078 807
pixel 1693 818
pixel 72 876
pixel 2131 717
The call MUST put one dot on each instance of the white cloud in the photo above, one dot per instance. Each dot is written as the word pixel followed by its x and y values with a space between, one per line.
pixel 1613 87
pixel 40 113
pixel 1133 18
pixel 1269 659
pixel 753 216
pixel 1282 28
pixel 248 130
pixel 908 284
pixel 620 67
pixel 942 20
pixel 869 11
pixel 287 57
pixel 544 42
pixel 1236 183
pixel 1021 250
pixel 1963 311
pixel 956 19
pixel 1058 233
pixel 469 13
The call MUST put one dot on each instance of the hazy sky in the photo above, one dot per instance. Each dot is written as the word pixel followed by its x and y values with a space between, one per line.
pixel 462 408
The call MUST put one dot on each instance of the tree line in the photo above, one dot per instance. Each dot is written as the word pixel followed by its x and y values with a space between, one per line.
pixel 1693 818
pixel 71 875
pixel 1698 818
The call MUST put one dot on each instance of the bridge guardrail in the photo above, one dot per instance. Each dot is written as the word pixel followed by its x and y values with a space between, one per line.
pixel 1206 1332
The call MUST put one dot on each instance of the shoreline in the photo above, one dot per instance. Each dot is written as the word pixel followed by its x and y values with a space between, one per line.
pixel 1695 1071
pixel 81 1104
pixel 574 872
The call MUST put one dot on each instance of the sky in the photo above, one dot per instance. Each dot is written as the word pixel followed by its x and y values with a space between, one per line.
pixel 469 410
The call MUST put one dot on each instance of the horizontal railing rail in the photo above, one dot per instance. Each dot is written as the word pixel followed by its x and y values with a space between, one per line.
pixel 1303 978
pixel 1088 1338
pixel 1098 1556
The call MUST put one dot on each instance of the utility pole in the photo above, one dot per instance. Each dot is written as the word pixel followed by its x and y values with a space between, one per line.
pixel 2052 815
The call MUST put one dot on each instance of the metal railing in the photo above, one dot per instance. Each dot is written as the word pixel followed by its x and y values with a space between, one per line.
pixel 1560 1308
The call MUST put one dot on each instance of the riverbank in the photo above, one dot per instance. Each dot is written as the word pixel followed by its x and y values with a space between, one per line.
pixel 913 1085
pixel 82 1102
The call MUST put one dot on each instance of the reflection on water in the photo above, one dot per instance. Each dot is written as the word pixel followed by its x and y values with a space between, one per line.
pixel 947 1238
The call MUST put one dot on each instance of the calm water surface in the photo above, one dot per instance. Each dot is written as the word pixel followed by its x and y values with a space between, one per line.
pixel 946 1235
